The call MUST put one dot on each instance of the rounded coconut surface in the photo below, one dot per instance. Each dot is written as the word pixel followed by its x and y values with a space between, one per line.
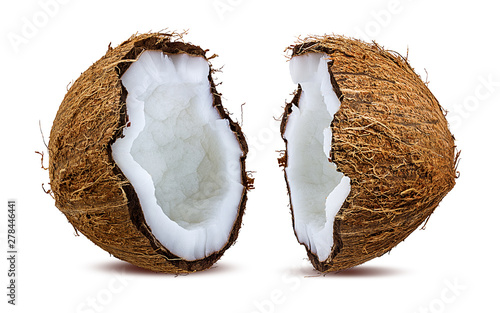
pixel 88 185
pixel 389 136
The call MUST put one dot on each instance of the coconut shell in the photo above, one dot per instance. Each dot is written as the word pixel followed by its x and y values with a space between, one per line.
pixel 89 188
pixel 391 137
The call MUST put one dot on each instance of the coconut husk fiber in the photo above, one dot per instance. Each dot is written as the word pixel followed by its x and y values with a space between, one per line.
pixel 89 188
pixel 391 137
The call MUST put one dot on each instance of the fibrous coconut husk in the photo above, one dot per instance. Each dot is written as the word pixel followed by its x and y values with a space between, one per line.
pixel 391 137
pixel 88 186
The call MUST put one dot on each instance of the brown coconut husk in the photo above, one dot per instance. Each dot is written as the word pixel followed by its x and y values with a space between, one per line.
pixel 88 186
pixel 391 137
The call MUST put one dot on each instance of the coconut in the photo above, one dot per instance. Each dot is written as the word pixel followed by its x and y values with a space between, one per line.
pixel 144 159
pixel 369 155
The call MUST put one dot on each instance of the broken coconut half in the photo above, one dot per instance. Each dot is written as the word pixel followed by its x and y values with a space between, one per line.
pixel 145 161
pixel 368 152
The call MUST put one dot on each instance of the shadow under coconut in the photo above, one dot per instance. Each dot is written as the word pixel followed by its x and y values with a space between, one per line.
pixel 358 271
pixel 368 271
pixel 127 268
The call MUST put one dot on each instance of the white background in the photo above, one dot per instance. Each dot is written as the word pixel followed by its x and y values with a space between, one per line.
pixel 451 266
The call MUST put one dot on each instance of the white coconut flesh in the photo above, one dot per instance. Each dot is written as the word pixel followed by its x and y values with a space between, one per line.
pixel 317 189
pixel 180 156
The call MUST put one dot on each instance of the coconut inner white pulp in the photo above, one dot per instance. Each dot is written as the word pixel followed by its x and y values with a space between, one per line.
pixel 317 189
pixel 180 156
